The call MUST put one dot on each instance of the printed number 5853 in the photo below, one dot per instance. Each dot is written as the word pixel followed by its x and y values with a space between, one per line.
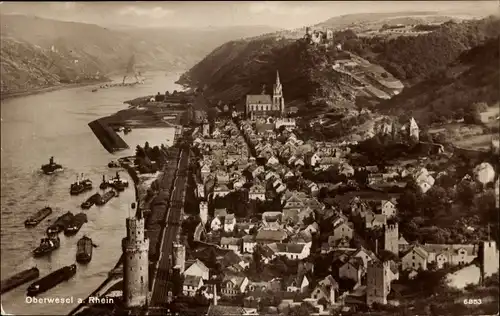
pixel 472 301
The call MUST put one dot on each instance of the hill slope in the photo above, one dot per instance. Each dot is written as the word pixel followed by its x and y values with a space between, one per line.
pixel 306 71
pixel 38 53
pixel 413 59
pixel 472 78
pixel 238 68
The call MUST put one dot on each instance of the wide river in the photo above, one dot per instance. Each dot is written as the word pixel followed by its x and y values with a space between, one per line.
pixel 35 127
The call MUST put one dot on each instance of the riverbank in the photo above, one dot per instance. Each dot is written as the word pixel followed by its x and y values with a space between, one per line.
pixel 10 95
pixel 142 113
pixel 142 184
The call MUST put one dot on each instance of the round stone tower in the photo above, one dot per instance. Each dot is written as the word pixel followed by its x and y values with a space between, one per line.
pixel 135 266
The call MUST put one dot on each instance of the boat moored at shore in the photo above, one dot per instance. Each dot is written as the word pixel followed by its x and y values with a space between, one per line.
pixel 117 183
pixel 51 280
pixel 38 217
pixel 19 279
pixel 60 224
pixel 114 164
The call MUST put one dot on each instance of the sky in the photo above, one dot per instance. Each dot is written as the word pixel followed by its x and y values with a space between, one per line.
pixel 279 14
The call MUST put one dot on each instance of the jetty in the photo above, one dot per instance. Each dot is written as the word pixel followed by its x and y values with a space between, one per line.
pixel 111 141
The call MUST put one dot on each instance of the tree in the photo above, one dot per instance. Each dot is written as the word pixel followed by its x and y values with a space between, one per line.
pixel 304 309
pixel 466 192
pixel 435 202
pixel 257 258
pixel 309 220
pixel 139 152
pixel 472 115
pixel 481 106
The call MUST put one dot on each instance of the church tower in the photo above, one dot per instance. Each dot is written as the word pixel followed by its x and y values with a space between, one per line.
pixel 135 266
pixel 278 101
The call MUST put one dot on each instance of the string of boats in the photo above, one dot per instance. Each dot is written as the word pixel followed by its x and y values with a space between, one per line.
pixel 68 223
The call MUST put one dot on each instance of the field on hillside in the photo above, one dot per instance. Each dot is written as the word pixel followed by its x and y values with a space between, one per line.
pixel 478 142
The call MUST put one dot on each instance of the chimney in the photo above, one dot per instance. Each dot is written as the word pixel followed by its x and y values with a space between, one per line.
pixel 376 246
pixel 215 294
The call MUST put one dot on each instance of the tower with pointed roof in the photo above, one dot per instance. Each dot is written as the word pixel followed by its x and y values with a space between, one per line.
pixel 278 100
pixel 413 130
pixel 135 265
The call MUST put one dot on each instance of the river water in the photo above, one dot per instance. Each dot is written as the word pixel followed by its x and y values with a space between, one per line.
pixel 35 127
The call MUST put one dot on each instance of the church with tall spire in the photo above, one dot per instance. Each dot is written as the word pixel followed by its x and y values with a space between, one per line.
pixel 264 105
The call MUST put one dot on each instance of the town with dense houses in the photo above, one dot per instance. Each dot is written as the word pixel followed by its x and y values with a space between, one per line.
pixel 276 223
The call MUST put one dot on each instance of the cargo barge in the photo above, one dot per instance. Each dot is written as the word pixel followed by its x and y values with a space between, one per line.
pixel 84 250
pixel 47 245
pixel 106 197
pixel 51 280
pixel 38 217
pixel 19 279
pixel 90 201
pixel 60 224
pixel 76 224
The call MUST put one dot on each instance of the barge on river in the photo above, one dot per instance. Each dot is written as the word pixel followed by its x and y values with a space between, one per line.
pixel 90 201
pixel 76 224
pixel 51 280
pixel 39 216
pixel 106 197
pixel 84 250
pixel 19 279
pixel 60 224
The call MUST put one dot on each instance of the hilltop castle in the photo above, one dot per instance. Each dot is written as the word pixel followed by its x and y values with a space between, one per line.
pixel 264 105
pixel 135 266
pixel 320 37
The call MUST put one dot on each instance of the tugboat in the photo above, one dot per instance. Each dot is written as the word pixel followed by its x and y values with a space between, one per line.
pixel 80 186
pixel 38 217
pixel 76 224
pixel 51 280
pixel 19 279
pixel 51 167
pixel 84 250
pixel 113 164
pixel 104 184
pixel 47 245
pixel 90 201
pixel 117 183
pixel 106 197
pixel 60 224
